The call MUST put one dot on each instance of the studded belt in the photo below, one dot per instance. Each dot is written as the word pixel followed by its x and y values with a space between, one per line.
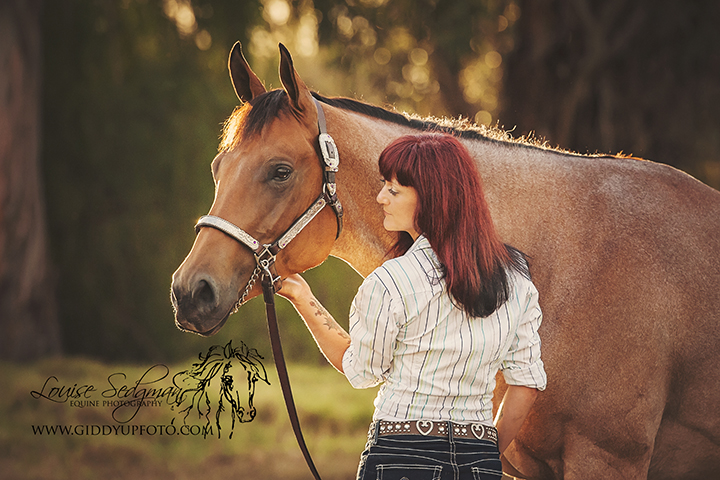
pixel 438 429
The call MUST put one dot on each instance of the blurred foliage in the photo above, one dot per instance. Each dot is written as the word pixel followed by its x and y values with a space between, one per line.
pixel 136 92
pixel 439 57
pixel 135 96
pixel 132 114
pixel 638 76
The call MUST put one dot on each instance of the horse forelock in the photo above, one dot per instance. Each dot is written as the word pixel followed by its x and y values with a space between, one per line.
pixel 250 118
pixel 233 127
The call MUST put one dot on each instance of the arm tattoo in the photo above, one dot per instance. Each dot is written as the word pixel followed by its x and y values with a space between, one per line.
pixel 330 322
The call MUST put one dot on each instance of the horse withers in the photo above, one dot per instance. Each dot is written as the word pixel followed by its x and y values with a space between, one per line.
pixel 624 252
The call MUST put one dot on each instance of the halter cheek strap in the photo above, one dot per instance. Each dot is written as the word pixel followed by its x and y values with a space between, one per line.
pixel 331 159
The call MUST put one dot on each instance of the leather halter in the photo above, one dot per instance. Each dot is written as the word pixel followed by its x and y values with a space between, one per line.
pixel 265 254
pixel 265 258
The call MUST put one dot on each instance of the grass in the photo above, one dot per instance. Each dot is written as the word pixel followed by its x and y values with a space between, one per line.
pixel 333 415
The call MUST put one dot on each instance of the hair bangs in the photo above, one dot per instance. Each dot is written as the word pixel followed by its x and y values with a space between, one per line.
pixel 400 161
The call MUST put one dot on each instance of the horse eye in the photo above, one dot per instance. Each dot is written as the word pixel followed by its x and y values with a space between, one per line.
pixel 282 173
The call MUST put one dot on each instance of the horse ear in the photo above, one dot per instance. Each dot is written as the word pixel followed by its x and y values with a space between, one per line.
pixel 299 94
pixel 247 85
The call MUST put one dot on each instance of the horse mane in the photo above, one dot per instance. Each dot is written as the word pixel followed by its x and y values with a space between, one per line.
pixel 458 127
pixel 250 118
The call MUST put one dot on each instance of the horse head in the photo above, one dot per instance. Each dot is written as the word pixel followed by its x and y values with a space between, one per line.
pixel 267 174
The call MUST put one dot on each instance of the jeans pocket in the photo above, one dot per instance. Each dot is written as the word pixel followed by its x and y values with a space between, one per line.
pixel 480 473
pixel 409 472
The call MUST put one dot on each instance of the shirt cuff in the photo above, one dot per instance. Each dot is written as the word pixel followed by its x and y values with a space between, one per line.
pixel 531 376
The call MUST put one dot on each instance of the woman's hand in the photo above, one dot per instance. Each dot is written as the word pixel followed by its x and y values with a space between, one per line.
pixel 512 413
pixel 295 288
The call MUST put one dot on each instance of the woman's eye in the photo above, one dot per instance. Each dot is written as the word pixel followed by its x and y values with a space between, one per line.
pixel 282 173
pixel 392 192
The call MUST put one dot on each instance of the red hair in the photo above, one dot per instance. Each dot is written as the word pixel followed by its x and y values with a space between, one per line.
pixel 453 215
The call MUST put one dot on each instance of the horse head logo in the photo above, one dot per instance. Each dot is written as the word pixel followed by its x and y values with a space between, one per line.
pixel 229 371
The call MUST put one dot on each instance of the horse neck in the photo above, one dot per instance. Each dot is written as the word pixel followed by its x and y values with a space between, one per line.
pixel 360 139
pixel 364 243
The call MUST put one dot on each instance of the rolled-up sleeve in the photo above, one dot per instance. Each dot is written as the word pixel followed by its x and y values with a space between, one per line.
pixel 373 330
pixel 522 364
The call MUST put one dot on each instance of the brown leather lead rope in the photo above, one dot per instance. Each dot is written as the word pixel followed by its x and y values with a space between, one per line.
pixel 269 296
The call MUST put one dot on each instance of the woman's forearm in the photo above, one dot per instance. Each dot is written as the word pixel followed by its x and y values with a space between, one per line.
pixel 330 337
pixel 513 411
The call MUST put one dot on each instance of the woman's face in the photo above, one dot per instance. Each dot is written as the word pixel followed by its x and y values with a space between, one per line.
pixel 399 204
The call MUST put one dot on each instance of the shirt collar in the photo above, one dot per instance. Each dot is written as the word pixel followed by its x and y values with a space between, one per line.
pixel 421 243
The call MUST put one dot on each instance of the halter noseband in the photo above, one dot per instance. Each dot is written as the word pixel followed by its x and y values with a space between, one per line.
pixel 265 254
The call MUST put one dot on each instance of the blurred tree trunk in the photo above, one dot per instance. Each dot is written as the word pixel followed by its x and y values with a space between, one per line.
pixel 28 317
pixel 637 76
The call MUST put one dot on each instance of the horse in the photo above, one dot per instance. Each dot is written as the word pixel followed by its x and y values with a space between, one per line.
pixel 625 253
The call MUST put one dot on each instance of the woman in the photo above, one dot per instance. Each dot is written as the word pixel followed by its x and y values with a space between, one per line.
pixel 435 323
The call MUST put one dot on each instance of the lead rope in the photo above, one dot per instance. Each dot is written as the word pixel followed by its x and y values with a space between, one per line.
pixel 269 296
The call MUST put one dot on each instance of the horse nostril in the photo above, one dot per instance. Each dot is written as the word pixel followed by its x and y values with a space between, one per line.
pixel 204 294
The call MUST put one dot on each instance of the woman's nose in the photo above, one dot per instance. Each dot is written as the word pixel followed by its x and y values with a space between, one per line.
pixel 381 197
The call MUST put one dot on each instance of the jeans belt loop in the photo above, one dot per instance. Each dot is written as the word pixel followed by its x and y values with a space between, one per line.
pixel 374 432
pixel 451 435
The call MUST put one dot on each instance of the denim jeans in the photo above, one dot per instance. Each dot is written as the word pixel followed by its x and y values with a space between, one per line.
pixel 417 457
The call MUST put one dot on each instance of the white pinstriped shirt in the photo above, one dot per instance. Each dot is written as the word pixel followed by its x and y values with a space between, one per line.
pixel 434 361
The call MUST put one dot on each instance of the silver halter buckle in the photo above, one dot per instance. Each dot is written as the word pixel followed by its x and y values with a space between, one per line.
pixel 265 259
pixel 329 152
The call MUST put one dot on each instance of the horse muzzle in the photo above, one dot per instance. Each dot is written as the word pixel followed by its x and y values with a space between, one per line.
pixel 200 306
